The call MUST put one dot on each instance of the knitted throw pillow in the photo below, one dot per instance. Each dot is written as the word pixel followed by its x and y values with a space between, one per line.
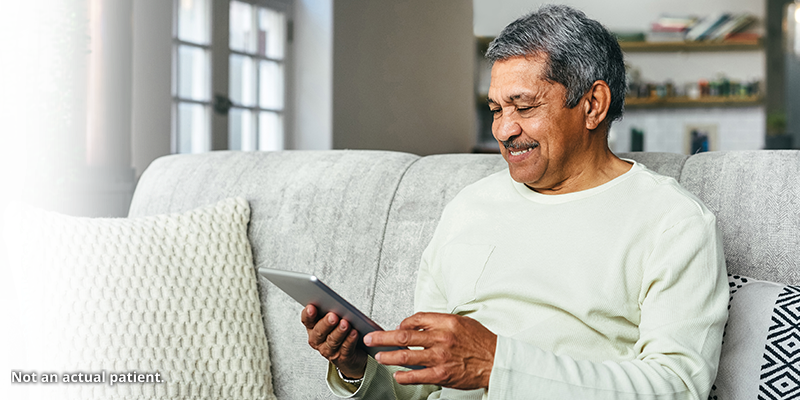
pixel 761 347
pixel 121 300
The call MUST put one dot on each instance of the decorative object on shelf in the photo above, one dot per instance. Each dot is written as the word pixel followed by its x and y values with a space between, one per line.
pixel 42 103
pixel 699 138
pixel 719 92
pixel 777 137
pixel 637 139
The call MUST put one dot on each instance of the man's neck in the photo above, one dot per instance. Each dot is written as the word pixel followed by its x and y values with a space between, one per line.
pixel 596 168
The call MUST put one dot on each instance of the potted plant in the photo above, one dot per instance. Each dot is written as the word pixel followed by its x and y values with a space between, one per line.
pixel 40 158
pixel 777 137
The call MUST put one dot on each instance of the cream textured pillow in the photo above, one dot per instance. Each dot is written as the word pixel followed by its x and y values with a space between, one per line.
pixel 170 294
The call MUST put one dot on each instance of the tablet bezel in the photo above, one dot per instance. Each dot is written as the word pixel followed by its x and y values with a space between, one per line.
pixel 308 289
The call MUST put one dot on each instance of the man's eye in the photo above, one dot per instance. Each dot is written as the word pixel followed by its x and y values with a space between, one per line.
pixel 523 109
pixel 495 111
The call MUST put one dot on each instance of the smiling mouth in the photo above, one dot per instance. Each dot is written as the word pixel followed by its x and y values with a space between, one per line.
pixel 516 149
pixel 516 153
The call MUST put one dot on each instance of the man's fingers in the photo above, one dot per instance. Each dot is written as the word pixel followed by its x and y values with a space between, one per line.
pixel 403 338
pixel 322 329
pixel 423 320
pixel 427 376
pixel 337 337
pixel 348 349
pixel 309 316
pixel 424 358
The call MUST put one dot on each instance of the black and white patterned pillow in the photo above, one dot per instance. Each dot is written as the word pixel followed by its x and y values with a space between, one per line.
pixel 761 348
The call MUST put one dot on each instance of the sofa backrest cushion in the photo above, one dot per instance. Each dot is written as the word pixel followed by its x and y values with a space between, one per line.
pixel 360 220
pixel 756 198
pixel 428 185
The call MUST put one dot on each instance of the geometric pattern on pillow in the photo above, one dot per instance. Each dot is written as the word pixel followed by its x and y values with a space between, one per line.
pixel 780 373
pixel 174 294
pixel 760 356
pixel 736 282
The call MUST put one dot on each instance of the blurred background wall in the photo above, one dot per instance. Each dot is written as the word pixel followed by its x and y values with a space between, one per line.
pixel 408 75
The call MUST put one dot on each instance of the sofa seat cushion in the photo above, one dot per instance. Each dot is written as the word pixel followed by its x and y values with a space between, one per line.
pixel 169 294
pixel 761 347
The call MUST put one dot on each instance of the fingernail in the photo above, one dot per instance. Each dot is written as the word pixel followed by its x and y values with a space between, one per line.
pixel 353 333
pixel 368 341
pixel 378 357
pixel 310 311
pixel 331 319
pixel 342 325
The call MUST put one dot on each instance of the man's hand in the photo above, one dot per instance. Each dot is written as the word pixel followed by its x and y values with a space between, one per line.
pixel 335 340
pixel 458 351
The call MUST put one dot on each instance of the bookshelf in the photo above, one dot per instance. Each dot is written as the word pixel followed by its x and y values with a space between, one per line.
pixel 666 47
pixel 632 103
pixel 686 102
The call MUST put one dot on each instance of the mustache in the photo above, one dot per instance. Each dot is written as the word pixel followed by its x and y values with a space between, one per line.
pixel 519 144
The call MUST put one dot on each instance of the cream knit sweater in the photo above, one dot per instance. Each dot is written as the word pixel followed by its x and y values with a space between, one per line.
pixel 616 292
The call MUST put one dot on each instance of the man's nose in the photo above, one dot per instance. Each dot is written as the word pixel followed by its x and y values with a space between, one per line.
pixel 505 128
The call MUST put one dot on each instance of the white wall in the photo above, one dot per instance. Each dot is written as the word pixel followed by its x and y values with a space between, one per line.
pixel 313 75
pixel 152 97
pixel 664 130
pixel 403 75
pixel 739 128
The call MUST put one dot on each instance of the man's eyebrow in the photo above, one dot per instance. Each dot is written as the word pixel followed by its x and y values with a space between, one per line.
pixel 514 98
pixel 522 96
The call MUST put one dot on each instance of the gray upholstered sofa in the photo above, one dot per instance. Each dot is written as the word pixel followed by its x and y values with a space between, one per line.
pixel 361 219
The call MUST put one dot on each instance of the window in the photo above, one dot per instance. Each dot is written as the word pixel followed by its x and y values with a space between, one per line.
pixel 247 108
pixel 256 70
pixel 191 77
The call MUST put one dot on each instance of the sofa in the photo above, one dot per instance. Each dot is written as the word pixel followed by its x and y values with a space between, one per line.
pixel 359 220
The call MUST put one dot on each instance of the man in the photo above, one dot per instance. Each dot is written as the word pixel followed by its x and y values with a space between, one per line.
pixel 572 275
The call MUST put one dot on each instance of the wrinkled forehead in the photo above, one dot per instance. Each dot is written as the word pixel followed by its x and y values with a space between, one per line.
pixel 530 69
pixel 534 65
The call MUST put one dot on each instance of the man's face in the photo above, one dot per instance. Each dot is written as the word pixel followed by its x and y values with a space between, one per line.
pixel 538 136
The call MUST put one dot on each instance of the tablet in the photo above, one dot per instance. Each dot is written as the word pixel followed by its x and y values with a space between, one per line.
pixel 307 289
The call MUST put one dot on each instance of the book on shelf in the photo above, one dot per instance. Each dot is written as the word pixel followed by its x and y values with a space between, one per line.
pixel 706 27
pixel 734 25
pixel 674 22
pixel 743 38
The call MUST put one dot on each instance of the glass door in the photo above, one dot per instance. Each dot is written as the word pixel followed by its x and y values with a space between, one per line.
pixel 256 77
pixel 238 51
pixel 191 77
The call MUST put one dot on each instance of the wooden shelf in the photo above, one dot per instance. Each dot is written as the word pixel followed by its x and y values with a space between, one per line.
pixel 685 102
pixel 665 47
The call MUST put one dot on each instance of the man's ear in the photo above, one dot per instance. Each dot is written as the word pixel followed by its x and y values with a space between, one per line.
pixel 596 103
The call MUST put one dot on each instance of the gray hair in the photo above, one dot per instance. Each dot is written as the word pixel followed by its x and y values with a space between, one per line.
pixel 578 50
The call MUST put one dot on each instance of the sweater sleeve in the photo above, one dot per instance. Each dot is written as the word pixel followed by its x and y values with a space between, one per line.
pixel 378 384
pixel 683 302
